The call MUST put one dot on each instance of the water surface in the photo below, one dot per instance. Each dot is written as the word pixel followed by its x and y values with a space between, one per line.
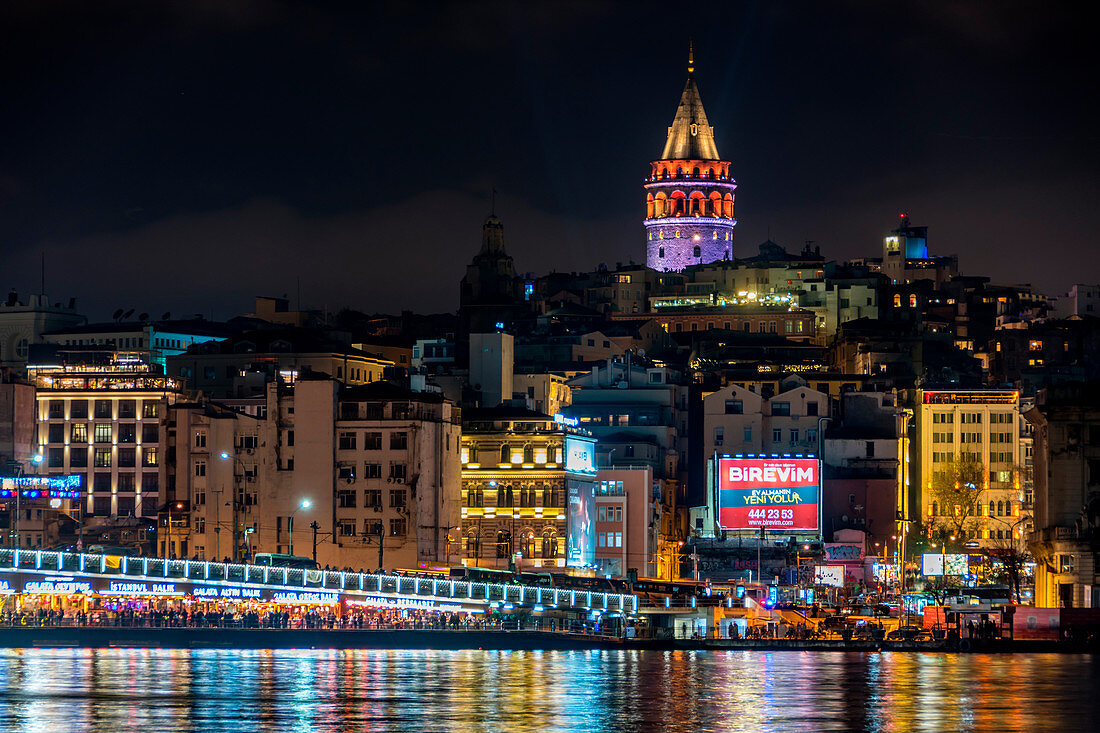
pixel 219 690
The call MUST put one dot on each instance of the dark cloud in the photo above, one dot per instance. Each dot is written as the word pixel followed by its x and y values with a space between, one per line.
pixel 198 153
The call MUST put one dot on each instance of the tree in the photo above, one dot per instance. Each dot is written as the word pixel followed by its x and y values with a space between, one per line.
pixel 956 488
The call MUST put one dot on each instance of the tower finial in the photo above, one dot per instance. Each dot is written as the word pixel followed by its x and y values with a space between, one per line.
pixel 691 57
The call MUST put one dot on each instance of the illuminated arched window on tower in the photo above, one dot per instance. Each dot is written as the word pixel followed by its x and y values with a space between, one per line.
pixel 698 204
pixel 913 300
pixel 727 206
pixel 897 300
pixel 716 235
pixel 649 206
pixel 678 204
pixel 677 233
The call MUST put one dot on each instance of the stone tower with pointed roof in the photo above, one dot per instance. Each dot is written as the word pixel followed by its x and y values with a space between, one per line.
pixel 689 192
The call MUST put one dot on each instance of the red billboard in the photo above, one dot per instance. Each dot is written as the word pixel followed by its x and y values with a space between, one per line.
pixel 780 494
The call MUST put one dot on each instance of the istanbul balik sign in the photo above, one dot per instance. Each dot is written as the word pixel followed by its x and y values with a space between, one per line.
pixel 771 493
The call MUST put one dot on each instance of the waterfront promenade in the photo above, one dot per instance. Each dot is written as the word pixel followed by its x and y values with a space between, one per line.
pixel 499 637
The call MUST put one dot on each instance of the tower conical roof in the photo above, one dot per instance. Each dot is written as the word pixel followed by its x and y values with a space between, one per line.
pixel 690 137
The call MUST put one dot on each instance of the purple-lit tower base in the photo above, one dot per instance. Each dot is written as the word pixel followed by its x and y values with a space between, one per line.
pixel 701 240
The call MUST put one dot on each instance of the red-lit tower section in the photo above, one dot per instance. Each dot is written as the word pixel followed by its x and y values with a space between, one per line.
pixel 689 192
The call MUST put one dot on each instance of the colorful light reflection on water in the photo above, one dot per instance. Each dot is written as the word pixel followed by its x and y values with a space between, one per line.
pixel 164 690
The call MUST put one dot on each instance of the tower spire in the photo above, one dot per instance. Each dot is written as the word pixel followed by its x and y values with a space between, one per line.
pixel 691 57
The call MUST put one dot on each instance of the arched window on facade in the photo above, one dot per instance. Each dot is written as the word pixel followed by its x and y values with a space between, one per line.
pixel 527 543
pixel 935 508
pixel 913 300
pixel 549 544
pixel 504 543
pixel 473 544
pixel 500 495
pixel 897 300
pixel 698 251
pixel 505 453
pixel 509 497
pixel 528 453
pixel 992 508
pixel 661 252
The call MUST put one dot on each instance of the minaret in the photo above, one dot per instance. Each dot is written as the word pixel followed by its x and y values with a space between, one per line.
pixel 689 192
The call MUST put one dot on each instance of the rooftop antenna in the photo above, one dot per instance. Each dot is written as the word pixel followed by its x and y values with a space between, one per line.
pixel 493 202
pixel 43 272
pixel 691 57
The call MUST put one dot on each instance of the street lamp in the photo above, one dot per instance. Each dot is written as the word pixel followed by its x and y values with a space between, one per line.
pixel 168 547
pixel 303 504
pixel 36 459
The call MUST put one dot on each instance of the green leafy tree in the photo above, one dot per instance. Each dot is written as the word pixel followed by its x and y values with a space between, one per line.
pixel 956 489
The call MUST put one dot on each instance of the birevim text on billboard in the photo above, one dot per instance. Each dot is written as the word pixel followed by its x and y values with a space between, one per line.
pixel 779 494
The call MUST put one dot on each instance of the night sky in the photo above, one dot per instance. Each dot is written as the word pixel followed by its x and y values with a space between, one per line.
pixel 185 156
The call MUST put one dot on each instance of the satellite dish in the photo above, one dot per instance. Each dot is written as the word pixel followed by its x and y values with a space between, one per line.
pixel 128 314
pixel 166 316
pixel 143 316
pixel 117 314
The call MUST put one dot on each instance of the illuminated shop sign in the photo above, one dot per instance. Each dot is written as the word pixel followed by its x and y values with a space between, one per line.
pixel 580 455
pixel 225 592
pixel 42 487
pixel 5 588
pixel 305 597
pixel 119 588
pixel 413 603
pixel 769 493
pixel 829 575
pixel 935 564
pixel 57 587
pixel 570 422
pixel 581 530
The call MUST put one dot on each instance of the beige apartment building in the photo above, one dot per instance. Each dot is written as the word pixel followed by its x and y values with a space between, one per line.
pixel 985 423
pixel 369 476
pixel 99 417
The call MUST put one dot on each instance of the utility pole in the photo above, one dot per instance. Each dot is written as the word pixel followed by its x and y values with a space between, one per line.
pixel 759 565
pixel 381 542
pixel 217 523
pixel 314 526
pixel 236 541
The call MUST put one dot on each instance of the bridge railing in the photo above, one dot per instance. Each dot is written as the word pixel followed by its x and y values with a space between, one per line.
pixel 330 580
